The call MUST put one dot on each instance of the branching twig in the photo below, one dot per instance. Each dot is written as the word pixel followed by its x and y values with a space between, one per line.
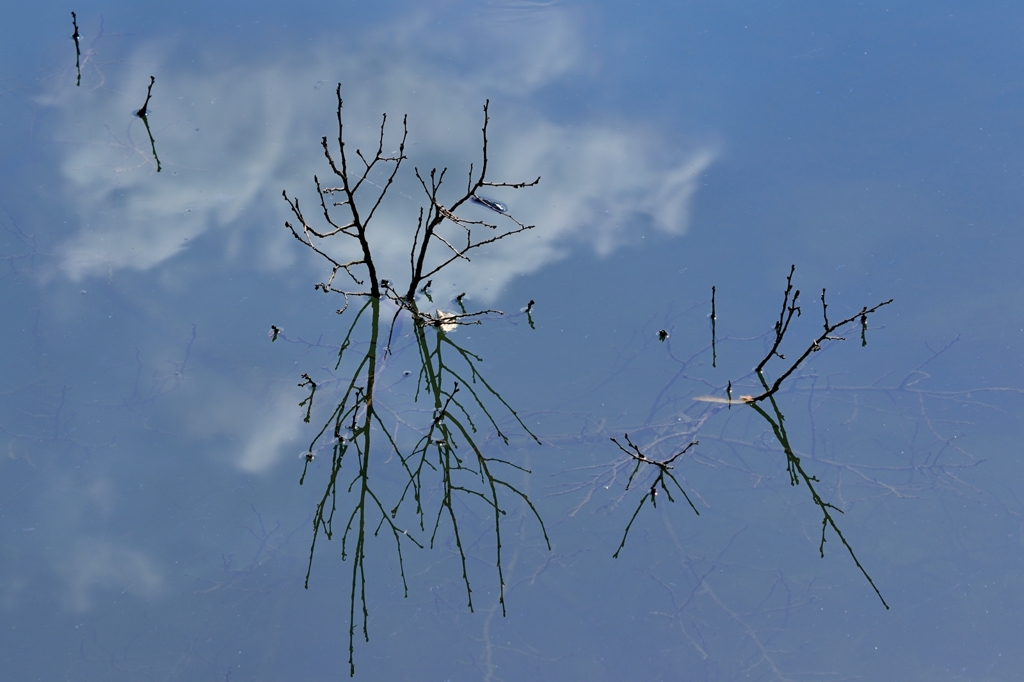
pixel 789 309
pixel 448 454
pixel 143 113
pixel 664 469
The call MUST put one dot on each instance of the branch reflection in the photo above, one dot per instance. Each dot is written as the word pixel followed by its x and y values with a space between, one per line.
pixel 446 464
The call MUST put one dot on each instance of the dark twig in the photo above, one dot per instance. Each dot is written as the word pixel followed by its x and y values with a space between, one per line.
pixel 793 464
pixel 436 213
pixel 664 469
pixel 686 427
pixel 448 454
pixel 143 113
pixel 714 350
pixel 791 309
pixel 78 50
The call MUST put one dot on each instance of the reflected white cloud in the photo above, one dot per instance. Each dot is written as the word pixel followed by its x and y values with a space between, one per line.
pixel 232 135
pixel 272 437
pixel 259 426
pixel 94 564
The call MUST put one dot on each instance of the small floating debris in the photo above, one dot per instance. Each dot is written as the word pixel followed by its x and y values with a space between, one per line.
pixel 448 322
pixel 496 206
pixel 724 401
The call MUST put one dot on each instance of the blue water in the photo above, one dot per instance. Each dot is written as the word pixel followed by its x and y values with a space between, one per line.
pixel 151 521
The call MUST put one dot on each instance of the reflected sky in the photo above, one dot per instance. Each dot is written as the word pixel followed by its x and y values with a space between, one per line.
pixel 230 138
pixel 151 525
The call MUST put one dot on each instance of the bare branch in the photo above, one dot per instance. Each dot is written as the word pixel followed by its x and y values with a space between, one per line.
pixel 454 391
pixel 664 470
pixel 789 309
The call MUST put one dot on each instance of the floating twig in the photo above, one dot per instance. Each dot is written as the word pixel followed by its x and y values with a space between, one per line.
pixel 78 50
pixel 143 113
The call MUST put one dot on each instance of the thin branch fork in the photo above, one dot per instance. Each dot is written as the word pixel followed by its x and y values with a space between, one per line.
pixel 635 453
pixel 791 309
pixel 481 181
pixel 357 223
pixel 356 417
pixel 430 219
pixel 437 213
pixel 304 238
pixel 664 468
